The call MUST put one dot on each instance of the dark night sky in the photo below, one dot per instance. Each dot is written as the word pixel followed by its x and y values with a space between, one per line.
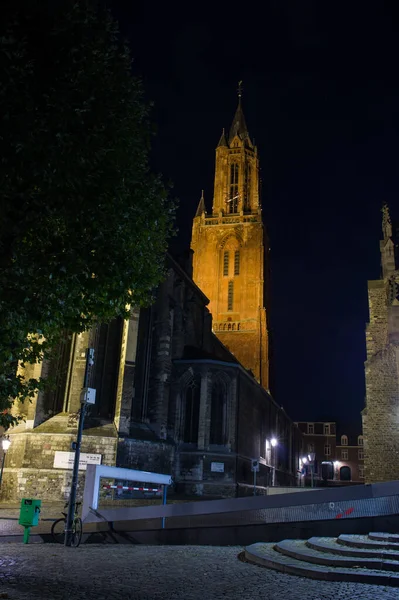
pixel 321 98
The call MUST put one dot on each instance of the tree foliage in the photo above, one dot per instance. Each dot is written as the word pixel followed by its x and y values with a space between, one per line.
pixel 83 222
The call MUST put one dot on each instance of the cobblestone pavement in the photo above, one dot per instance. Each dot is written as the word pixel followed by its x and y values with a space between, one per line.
pixel 110 572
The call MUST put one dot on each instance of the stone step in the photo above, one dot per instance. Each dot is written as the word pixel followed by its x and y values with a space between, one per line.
pixel 298 549
pixel 331 546
pixel 363 541
pixel 265 555
pixel 386 537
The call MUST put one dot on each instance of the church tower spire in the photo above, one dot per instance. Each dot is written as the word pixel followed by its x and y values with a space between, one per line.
pixel 229 251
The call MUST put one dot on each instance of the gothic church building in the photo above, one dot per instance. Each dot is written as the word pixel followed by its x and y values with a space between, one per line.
pixel 182 386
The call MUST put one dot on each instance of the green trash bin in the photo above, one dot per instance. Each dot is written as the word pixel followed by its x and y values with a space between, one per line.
pixel 29 515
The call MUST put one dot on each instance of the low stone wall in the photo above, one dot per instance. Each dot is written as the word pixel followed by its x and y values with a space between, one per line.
pixel 29 471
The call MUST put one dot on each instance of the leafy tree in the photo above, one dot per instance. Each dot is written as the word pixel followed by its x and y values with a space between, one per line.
pixel 83 223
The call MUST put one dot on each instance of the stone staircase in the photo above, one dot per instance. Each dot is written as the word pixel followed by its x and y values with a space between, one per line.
pixel 355 558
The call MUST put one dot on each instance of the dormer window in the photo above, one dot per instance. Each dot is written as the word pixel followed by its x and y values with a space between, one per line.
pixel 344 440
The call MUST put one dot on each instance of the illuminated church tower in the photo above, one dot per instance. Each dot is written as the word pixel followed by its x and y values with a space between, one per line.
pixel 229 251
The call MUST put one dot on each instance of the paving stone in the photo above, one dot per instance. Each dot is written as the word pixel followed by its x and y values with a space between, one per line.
pixel 116 572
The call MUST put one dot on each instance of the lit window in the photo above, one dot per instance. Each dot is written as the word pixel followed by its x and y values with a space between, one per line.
pixel 230 296
pixel 326 429
pixel 225 263
pixel 361 472
pixel 327 449
pixel 237 262
pixel 311 428
pixel 344 440
pixel 344 454
pixel 360 440
pixel 360 454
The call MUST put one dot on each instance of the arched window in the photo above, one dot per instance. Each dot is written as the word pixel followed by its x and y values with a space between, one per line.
pixel 237 262
pixel 225 262
pixel 344 440
pixel 191 412
pixel 229 327
pixel 234 327
pixel 360 440
pixel 230 297
pixel 217 434
pixel 248 184
pixel 233 200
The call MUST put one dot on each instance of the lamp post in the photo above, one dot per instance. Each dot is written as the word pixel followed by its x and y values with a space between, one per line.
pixel 311 458
pixel 273 443
pixel 303 462
pixel 85 395
pixel 5 442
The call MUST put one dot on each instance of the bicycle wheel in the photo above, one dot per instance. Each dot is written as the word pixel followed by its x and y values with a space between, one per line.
pixel 58 531
pixel 76 532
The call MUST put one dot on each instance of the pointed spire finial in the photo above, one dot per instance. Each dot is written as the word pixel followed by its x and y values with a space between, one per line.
pixel 222 141
pixel 386 221
pixel 201 206
pixel 239 90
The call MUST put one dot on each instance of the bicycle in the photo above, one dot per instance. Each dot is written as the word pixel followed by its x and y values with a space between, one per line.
pixel 58 528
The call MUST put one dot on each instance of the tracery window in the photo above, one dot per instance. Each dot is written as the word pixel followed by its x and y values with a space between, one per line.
pixel 248 184
pixel 233 200
pixel 191 412
pixel 217 434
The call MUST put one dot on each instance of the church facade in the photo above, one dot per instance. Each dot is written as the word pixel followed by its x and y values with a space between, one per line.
pixel 181 387
pixel 381 413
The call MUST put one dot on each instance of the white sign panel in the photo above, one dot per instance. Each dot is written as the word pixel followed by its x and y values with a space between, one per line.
pixel 64 460
pixel 217 467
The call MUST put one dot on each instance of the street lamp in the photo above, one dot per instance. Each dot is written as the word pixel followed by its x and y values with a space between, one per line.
pixel 5 442
pixel 311 457
pixel 273 443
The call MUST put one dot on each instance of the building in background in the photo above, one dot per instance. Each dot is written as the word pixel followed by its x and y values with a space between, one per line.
pixel 339 453
pixel 350 454
pixel 381 413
